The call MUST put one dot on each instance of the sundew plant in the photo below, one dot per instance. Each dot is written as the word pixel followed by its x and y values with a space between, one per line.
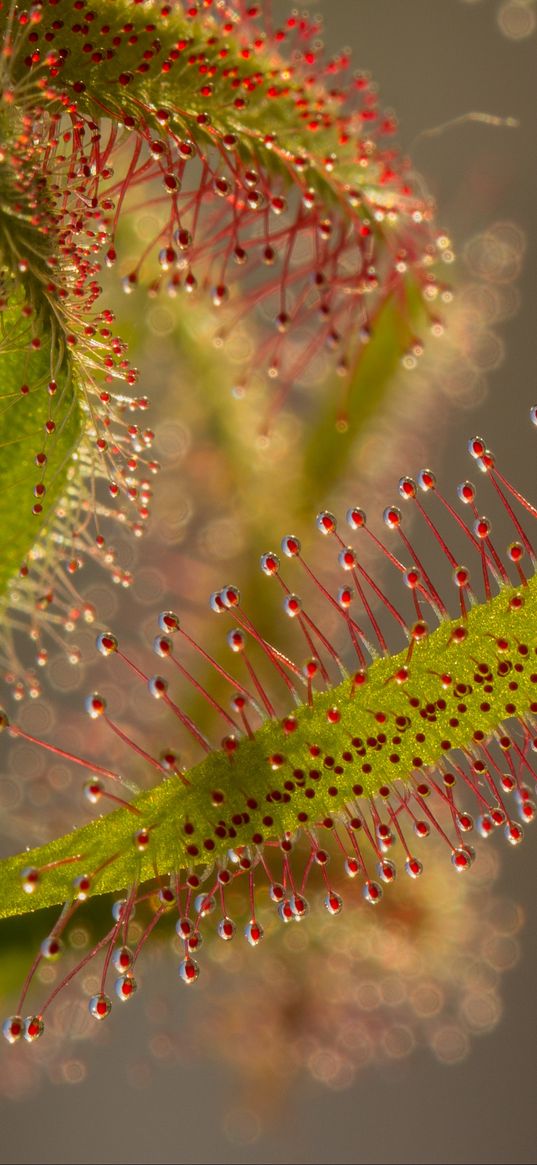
pixel 364 692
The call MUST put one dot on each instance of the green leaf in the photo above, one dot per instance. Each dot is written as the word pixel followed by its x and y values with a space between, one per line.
pixel 25 408
pixel 165 829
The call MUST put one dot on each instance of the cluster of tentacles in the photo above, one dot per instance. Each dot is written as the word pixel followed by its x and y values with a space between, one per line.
pixel 347 753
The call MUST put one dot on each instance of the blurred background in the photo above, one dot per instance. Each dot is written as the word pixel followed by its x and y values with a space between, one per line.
pixel 407 1037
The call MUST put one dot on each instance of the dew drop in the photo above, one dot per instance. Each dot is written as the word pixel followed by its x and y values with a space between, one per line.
pixel 107 643
pixel 183 238
pixel 119 908
pixel 285 912
pixel 253 932
pixel 392 517
pixel 162 646
pixel 413 867
pixel 122 959
pixel 33 1028
pixel 299 906
pixel 125 987
pixel 189 970
pixel 95 705
pixel 141 840
pixel 333 902
pixel 290 546
pixel 461 860
pixel 356 518
pixel 347 558
pixel 372 892
pixel 326 522
pixel 514 833
pixel 100 1006
pixel 204 905
pixel 51 948
pixel 184 927
pixel 169 622
pixel 386 871
pixel 351 867
pixel 236 640
pixel 13 1029
pixel 270 564
pixel 82 887
pixel 30 879
pixel 226 928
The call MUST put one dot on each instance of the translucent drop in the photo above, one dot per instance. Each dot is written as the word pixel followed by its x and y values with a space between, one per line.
pixel 236 640
pixel 183 238
pixel 204 905
pixel 347 558
pixel 407 488
pixel 169 622
pixel 95 705
pixel 125 987
pixel 122 959
pixel 106 643
pixel 514 833
pixel 226 929
pixel 162 646
pixel 333 902
pixel 372 892
pixel 351 867
pixel 82 887
pixel 184 927
pixel 299 906
pixel 100 1006
pixel 290 546
pixel 413 867
pixel 461 860
pixel 292 605
pixel 326 522
pixel 158 686
pixel 30 879
pixel 253 932
pixel 118 910
pixel 188 970
pixel 386 871
pixel 33 1028
pixel 392 517
pixel 13 1029
pixel 230 596
pixel 426 480
pixel 51 948
pixel 356 518
pixel 270 563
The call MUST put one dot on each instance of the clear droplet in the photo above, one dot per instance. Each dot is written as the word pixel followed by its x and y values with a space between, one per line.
pixel 372 892
pixel 29 879
pixel 100 1006
pixel 122 959
pixel 226 928
pixel 125 987
pixel 33 1028
pixel 253 932
pixel 51 948
pixel 13 1028
pixel 189 970
pixel 333 902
